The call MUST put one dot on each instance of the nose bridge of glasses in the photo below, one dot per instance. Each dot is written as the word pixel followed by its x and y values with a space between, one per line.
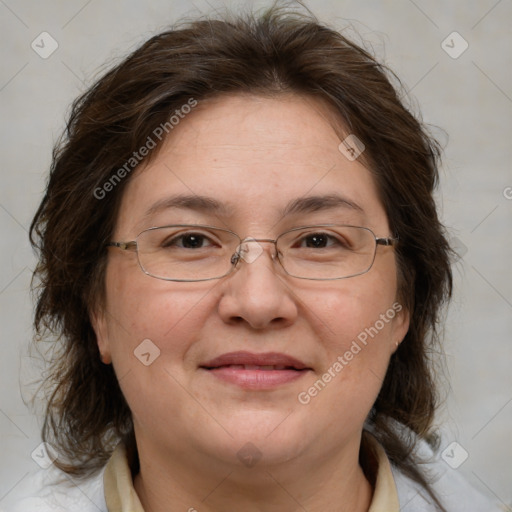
pixel 250 249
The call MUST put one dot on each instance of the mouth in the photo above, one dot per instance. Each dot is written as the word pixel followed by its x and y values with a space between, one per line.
pixel 256 371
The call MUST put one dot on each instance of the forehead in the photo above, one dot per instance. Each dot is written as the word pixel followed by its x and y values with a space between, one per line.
pixel 253 155
pixel 227 128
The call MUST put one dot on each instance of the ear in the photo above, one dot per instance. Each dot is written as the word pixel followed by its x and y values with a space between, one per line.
pixel 100 327
pixel 401 323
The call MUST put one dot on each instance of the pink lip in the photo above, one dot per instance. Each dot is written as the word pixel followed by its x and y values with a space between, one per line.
pixel 232 367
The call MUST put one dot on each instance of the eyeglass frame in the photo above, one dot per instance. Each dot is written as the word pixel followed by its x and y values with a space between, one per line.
pixel 236 257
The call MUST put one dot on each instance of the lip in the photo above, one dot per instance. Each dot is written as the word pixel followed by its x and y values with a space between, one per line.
pixel 253 371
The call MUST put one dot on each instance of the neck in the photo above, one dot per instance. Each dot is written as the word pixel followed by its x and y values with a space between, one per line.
pixel 298 485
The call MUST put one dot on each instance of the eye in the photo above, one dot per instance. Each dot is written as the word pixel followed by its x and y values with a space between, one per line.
pixel 188 241
pixel 317 240
pixel 321 240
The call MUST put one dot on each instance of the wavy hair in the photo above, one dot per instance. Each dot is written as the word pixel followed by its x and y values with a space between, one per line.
pixel 271 53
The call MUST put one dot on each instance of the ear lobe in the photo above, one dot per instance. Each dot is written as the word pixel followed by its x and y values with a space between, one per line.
pixel 401 324
pixel 99 325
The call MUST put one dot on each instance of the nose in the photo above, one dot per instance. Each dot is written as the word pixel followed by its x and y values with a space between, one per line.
pixel 257 293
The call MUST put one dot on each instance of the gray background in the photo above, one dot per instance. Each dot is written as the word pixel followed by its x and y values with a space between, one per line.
pixel 470 97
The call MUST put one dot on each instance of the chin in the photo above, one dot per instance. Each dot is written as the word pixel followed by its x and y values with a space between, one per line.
pixel 258 438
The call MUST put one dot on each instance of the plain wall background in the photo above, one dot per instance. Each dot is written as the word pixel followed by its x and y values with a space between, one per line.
pixel 470 97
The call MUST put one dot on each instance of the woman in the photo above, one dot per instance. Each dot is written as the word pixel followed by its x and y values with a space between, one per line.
pixel 241 255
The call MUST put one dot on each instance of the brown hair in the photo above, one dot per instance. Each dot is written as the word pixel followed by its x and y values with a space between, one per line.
pixel 279 51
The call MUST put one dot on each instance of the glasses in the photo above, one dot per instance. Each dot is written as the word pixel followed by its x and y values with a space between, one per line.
pixel 193 252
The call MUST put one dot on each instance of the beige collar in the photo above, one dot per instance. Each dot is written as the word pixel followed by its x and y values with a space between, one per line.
pixel 120 494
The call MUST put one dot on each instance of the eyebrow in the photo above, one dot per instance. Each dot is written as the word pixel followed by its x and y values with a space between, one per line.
pixel 195 202
pixel 312 204
pixel 205 204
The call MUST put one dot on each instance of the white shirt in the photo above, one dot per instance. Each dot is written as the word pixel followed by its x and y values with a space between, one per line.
pixel 111 489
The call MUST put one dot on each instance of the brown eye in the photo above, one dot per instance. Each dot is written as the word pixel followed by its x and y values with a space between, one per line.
pixel 187 241
pixel 321 241
pixel 317 240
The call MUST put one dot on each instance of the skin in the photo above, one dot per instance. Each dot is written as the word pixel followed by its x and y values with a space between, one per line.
pixel 254 155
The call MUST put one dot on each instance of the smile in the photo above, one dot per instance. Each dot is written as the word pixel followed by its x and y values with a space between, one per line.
pixel 256 371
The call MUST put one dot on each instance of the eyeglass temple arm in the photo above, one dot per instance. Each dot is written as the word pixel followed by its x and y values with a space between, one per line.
pixel 387 241
pixel 125 246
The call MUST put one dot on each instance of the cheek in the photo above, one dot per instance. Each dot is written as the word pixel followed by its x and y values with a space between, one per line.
pixel 141 308
pixel 355 332
pixel 152 373
pixel 346 311
pixel 353 322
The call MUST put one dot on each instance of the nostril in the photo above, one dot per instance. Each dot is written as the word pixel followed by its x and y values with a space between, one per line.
pixel 235 258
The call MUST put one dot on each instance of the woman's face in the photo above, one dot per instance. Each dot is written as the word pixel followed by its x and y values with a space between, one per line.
pixel 253 156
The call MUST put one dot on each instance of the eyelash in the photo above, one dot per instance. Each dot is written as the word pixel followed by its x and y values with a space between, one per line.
pixel 174 241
